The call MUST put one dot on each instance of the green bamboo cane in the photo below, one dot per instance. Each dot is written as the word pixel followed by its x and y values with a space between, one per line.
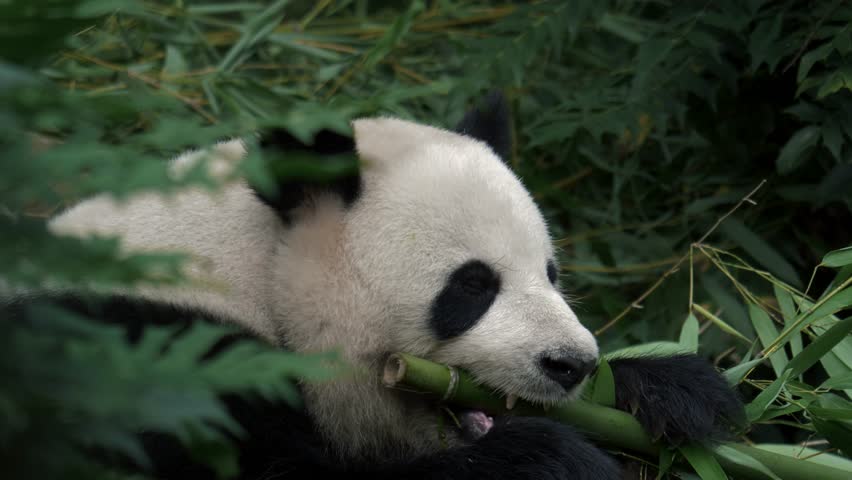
pixel 607 426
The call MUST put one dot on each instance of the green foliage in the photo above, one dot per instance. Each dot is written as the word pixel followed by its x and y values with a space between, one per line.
pixel 602 390
pixel 639 125
pixel 71 386
pixel 702 461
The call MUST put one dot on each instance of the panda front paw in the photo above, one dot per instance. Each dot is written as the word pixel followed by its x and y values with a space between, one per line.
pixel 538 448
pixel 679 398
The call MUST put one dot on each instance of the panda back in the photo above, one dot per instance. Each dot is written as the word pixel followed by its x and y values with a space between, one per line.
pixel 229 234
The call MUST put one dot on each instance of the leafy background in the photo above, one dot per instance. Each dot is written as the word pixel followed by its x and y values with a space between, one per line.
pixel 639 126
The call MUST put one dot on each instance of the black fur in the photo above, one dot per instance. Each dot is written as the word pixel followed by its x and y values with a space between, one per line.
pixel 680 398
pixel 552 272
pixel 490 123
pixel 517 448
pixel 468 294
pixel 293 192
pixel 132 313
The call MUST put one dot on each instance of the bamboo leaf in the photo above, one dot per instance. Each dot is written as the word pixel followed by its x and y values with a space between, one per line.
pixel 832 138
pixel 295 43
pixel 665 462
pixel 604 385
pixel 838 434
pixel 720 323
pixel 735 375
pixel 705 42
pixel 832 413
pixel 393 36
pixel 809 59
pixel 834 301
pixel 209 9
pixel 840 382
pixel 838 258
pixel 758 406
pixel 702 461
pixel 767 333
pixel 843 350
pixel 620 26
pixel 822 345
pixel 651 53
pixel 650 348
pixel 689 333
pixel 835 368
pixel 763 45
pixel 793 153
pixel 844 274
pixel 840 79
pixel 258 28
pixel 808 454
pixel 788 311
pixel 174 64
pixel 746 460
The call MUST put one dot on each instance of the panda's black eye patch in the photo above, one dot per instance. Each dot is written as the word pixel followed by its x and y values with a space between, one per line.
pixel 467 295
pixel 475 278
pixel 552 272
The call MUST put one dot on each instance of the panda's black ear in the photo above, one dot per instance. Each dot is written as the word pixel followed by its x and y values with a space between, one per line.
pixel 490 122
pixel 286 157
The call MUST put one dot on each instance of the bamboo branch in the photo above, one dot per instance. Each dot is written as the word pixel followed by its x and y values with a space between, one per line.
pixel 636 303
pixel 609 427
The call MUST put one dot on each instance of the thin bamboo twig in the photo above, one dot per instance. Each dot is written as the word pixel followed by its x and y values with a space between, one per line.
pixel 744 292
pixel 691 278
pixel 638 302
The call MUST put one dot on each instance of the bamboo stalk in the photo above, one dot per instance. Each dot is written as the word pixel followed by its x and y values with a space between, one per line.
pixel 609 427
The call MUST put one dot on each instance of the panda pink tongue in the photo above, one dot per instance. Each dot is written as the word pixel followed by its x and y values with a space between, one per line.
pixel 475 423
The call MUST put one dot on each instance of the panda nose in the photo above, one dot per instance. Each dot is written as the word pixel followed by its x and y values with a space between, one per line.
pixel 566 370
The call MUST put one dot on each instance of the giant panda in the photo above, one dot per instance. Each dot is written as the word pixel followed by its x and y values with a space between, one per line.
pixel 433 247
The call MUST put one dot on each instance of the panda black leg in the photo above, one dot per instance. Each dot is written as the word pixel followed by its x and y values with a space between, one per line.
pixel 679 398
pixel 517 448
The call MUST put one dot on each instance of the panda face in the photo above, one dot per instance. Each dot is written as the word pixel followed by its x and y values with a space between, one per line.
pixel 453 246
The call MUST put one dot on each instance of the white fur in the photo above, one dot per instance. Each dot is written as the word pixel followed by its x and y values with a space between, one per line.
pixel 363 279
pixel 230 234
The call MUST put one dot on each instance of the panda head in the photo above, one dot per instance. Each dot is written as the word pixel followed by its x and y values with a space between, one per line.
pixel 438 251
